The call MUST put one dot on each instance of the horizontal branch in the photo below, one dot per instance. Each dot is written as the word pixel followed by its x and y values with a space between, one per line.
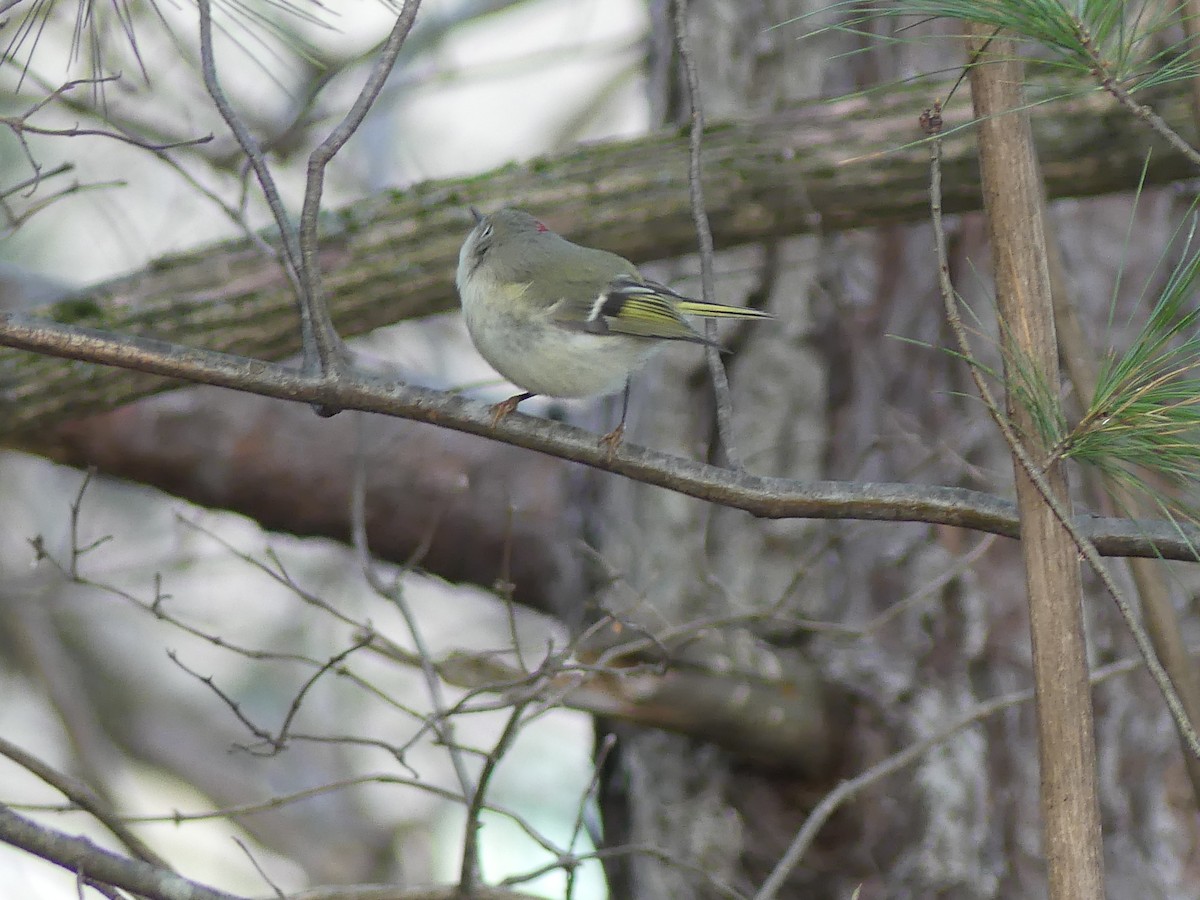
pixel 765 497
pixel 822 167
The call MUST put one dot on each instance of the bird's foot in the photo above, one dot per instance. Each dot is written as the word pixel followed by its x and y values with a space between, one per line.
pixel 507 407
pixel 612 441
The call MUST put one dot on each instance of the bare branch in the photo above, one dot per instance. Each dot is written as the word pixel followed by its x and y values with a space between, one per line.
pixel 327 344
pixel 712 353
pixel 86 799
pixel 468 877
pixel 94 863
pixel 80 855
pixel 290 254
pixel 767 497
pixel 851 788
pixel 394 593
pixel 852 159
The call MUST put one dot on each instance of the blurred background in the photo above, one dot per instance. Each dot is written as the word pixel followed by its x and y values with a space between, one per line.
pixel 478 84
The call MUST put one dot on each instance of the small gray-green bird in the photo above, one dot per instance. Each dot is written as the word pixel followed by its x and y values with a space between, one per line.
pixel 562 320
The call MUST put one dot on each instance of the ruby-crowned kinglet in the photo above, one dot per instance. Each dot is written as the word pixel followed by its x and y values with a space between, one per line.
pixel 562 320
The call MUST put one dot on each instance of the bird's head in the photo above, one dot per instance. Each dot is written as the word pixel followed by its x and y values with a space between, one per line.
pixel 510 235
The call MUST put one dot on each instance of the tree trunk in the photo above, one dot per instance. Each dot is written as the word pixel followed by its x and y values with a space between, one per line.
pixel 683 561
pixel 827 392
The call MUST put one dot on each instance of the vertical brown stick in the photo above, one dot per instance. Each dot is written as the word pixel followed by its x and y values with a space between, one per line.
pixel 1066 746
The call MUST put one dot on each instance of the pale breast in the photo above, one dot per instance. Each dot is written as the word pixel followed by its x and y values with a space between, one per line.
pixel 540 356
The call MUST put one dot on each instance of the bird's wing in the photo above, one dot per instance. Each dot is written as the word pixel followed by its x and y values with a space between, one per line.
pixel 627 305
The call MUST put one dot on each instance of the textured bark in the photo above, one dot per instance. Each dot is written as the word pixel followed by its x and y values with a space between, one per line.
pixel 686 562
pixel 1066 743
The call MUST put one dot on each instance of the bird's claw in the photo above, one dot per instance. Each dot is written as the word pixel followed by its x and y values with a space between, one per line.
pixel 612 441
pixel 505 408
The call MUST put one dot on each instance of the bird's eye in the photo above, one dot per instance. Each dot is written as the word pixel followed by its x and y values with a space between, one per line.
pixel 487 231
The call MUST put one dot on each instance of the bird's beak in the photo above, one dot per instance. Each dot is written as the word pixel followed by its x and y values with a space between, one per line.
pixel 477 214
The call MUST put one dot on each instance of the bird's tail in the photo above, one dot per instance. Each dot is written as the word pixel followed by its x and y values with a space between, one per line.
pixel 648 309
pixel 719 310
pixel 689 306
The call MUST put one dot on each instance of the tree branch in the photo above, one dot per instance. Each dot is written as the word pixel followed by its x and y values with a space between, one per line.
pixel 836 165
pixel 766 497
pixel 94 863
pixel 86 799
pixel 81 856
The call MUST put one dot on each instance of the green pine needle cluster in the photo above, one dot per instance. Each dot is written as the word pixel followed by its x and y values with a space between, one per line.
pixel 1143 424
pixel 1141 428
pixel 1135 45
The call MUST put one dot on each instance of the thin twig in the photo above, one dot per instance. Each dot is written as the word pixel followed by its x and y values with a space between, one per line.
pixel 1101 70
pixel 19 126
pixel 724 403
pixel 278 573
pixel 290 240
pixel 468 878
pixel 440 721
pixel 77 549
pixel 236 708
pixel 258 868
pixel 586 801
pixel 34 181
pixel 329 665
pixel 850 789
pixel 327 343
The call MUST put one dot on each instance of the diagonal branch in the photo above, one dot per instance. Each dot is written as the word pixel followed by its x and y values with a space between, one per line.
pixel 95 863
pixel 86 799
pixel 327 343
